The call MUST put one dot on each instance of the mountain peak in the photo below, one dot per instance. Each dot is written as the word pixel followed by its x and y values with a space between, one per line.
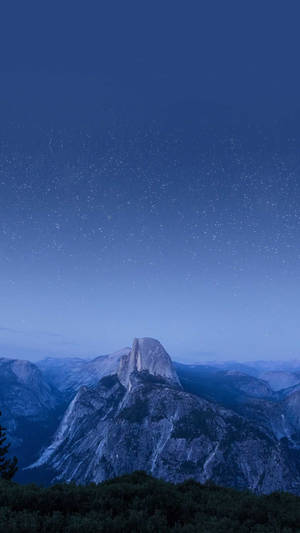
pixel 147 354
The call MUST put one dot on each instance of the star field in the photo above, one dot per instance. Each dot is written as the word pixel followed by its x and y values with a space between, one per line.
pixel 152 193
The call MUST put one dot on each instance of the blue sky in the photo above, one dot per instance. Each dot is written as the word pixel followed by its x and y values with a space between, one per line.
pixel 149 178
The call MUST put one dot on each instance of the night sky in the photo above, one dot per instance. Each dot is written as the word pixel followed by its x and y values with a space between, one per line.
pixel 150 177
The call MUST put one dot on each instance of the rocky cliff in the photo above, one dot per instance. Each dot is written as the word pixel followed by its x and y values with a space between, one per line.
pixel 146 355
pixel 141 418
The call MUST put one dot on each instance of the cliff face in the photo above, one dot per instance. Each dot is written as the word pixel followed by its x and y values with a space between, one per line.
pixel 149 355
pixel 142 419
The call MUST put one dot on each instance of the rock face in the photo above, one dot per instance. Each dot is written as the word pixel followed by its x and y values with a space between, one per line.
pixel 141 418
pixel 149 355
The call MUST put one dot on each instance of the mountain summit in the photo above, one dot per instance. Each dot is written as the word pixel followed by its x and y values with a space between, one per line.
pixel 147 355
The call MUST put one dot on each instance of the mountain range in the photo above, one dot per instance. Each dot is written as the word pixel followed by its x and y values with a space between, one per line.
pixel 136 410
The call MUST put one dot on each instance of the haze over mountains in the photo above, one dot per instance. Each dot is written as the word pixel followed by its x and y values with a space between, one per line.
pixel 30 406
pixel 89 420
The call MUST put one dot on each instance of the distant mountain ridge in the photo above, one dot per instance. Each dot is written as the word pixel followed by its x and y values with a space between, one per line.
pixel 249 396
pixel 24 390
pixel 30 407
pixel 91 419
pixel 280 379
pixel 70 373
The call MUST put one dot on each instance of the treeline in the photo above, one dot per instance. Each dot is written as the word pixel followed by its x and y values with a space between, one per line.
pixel 140 503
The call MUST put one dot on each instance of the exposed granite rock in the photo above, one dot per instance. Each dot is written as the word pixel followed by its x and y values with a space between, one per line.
pixel 142 419
pixel 147 354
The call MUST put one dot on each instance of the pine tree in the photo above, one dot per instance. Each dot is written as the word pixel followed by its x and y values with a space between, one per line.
pixel 8 467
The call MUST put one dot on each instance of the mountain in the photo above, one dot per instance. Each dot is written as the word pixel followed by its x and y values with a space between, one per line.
pixel 147 355
pixel 245 368
pixel 280 379
pixel 30 407
pixel 288 365
pixel 258 368
pixel 63 373
pixel 70 373
pixel 248 396
pixel 227 387
pixel 141 418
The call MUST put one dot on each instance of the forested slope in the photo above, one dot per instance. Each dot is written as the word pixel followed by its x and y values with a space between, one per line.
pixel 140 503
